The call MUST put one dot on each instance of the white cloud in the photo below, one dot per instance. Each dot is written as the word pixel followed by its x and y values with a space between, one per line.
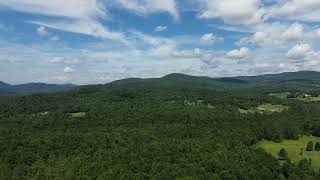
pixel 160 28
pixel 68 70
pixel 162 51
pixel 317 33
pixel 280 35
pixel 151 40
pixel 207 39
pixel 77 16
pixel 145 7
pixel 260 37
pixel 238 53
pixel 41 31
pixel 294 32
pixel 91 28
pixel 300 51
pixel 76 9
pixel 63 60
pixel 233 11
pixel 54 38
pixel 195 53
pixel 302 10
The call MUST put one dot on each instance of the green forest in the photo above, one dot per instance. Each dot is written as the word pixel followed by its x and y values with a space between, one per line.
pixel 174 127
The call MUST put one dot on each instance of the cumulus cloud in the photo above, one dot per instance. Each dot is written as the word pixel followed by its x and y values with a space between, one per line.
pixel 196 53
pixel 302 10
pixel 160 28
pixel 144 7
pixel 161 51
pixel 207 39
pixel 68 70
pixel 41 31
pixel 280 35
pixel 233 11
pixel 295 31
pixel 238 53
pixel 300 51
pixel 260 37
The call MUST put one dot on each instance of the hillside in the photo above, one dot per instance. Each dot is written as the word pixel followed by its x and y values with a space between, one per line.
pixel 174 127
pixel 297 77
pixel 32 88
pixel 305 78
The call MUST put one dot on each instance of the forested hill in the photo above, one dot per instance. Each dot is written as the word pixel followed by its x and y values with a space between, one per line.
pixel 174 127
pixel 301 76
pixel 175 80
pixel 32 88
pixel 182 80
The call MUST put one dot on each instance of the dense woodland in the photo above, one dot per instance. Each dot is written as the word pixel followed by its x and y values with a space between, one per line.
pixel 175 127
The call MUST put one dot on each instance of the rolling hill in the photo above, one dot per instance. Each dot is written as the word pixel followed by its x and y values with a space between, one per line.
pixel 182 80
pixel 32 88
pixel 174 127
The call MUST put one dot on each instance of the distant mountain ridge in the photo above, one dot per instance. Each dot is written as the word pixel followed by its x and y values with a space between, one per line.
pixel 32 88
pixel 174 80
pixel 299 76
pixel 183 80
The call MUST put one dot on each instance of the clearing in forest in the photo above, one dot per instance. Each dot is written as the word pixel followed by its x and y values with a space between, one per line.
pixel 282 95
pixel 265 108
pixel 302 97
pixel 296 149
pixel 78 114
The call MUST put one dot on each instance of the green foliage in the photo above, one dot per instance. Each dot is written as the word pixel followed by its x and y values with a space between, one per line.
pixel 283 154
pixel 310 146
pixel 177 127
pixel 317 146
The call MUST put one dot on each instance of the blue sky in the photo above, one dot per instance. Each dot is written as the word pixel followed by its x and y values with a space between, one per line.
pixel 98 41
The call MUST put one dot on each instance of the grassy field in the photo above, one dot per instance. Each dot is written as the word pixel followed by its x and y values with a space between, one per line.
pixel 309 99
pixel 294 148
pixel 78 114
pixel 282 95
pixel 266 108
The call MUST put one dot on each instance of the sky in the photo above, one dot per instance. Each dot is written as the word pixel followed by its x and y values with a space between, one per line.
pixel 99 41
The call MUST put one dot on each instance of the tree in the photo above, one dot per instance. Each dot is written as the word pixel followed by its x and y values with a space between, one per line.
pixel 281 177
pixel 283 154
pixel 310 146
pixel 317 146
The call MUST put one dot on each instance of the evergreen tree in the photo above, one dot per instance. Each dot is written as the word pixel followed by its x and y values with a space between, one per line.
pixel 310 146
pixel 283 154
pixel 317 146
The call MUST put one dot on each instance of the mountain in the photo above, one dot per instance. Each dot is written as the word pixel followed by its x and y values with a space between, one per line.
pixel 301 76
pixel 182 80
pixel 32 88
pixel 2 84
pixel 176 80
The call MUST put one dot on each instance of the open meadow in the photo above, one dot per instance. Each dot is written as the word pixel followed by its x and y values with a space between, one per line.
pixel 294 148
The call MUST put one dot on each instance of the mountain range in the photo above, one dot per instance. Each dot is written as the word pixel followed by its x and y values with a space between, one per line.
pixel 32 88
pixel 175 79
